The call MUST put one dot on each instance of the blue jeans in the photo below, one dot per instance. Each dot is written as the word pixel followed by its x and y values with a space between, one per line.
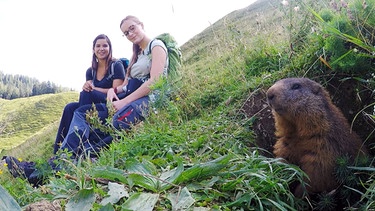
pixel 91 97
pixel 66 118
pixel 83 139
pixel 85 98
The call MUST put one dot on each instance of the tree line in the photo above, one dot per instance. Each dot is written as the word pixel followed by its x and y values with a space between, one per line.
pixel 18 86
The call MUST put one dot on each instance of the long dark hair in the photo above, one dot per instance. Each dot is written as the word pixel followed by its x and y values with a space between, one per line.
pixel 136 48
pixel 94 62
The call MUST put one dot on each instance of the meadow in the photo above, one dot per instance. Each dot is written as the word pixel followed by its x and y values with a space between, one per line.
pixel 210 147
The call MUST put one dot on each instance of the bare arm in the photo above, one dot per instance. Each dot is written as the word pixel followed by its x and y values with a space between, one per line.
pixel 115 83
pixel 159 57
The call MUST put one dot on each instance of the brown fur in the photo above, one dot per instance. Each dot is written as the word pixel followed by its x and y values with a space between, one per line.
pixel 311 131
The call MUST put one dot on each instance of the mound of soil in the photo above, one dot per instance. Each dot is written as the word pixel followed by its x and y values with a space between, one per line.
pixel 44 205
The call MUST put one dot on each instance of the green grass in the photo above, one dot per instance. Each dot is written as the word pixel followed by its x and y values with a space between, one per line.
pixel 23 118
pixel 198 151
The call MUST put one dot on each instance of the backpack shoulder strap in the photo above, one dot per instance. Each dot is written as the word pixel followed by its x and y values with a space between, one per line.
pixel 149 47
pixel 112 70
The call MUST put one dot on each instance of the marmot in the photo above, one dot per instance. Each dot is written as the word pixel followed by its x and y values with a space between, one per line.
pixel 311 132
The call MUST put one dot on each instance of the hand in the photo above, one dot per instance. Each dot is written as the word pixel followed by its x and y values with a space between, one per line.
pixel 88 86
pixel 111 95
pixel 119 104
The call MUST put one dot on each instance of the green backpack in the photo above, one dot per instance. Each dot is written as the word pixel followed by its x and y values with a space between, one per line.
pixel 174 53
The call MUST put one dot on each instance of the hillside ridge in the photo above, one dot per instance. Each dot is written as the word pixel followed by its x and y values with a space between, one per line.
pixel 22 118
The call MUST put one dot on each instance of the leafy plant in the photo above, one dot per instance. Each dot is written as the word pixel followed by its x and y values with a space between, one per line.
pixel 197 151
pixel 7 202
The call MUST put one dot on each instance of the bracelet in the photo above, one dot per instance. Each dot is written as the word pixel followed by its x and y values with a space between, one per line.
pixel 115 89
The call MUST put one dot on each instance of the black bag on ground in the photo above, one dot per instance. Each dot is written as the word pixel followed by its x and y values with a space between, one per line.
pixel 28 170
pixel 23 169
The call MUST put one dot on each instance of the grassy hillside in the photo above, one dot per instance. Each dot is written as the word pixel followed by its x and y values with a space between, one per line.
pixel 203 151
pixel 23 118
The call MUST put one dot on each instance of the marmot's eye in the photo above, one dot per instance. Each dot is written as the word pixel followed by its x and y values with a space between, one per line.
pixel 296 86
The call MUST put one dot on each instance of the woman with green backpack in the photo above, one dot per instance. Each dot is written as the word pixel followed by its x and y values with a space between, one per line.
pixel 145 69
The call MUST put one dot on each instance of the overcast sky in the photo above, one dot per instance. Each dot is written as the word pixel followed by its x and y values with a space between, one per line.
pixel 51 40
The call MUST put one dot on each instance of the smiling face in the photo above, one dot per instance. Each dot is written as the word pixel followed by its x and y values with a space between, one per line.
pixel 101 49
pixel 133 30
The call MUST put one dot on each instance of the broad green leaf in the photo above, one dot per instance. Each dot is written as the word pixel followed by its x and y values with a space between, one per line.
pixel 109 173
pixel 144 180
pixel 107 207
pixel 201 209
pixel 204 170
pixel 116 192
pixel 231 185
pixel 142 174
pixel 7 202
pixel 145 175
pixel 171 176
pixel 141 201
pixel 362 168
pixel 146 167
pixel 82 201
pixel 182 200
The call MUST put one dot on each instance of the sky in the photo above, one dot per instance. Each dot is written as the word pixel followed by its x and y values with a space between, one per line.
pixel 51 40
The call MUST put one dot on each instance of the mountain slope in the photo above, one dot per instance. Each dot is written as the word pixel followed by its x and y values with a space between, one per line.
pixel 22 118
pixel 200 149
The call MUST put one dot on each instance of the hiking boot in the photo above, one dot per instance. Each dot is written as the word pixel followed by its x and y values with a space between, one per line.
pixel 54 163
pixel 19 169
pixel 24 170
pixel 35 178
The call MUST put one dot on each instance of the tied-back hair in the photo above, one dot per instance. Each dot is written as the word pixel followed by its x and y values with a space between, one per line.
pixel 136 48
pixel 94 62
